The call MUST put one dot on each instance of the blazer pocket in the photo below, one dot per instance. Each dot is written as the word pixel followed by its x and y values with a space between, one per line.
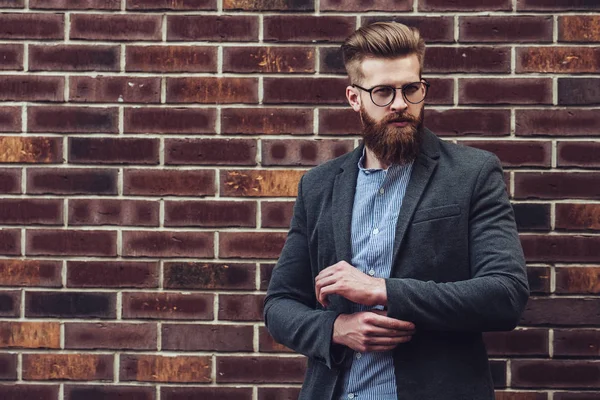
pixel 434 213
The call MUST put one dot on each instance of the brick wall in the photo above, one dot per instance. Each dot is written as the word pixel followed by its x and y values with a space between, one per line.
pixel 150 152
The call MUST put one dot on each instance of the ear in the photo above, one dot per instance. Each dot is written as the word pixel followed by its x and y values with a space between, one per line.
pixel 353 96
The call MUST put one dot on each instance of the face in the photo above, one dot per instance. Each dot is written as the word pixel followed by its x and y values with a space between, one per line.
pixel 390 132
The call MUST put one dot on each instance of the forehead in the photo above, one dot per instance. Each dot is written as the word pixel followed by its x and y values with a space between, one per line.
pixel 390 71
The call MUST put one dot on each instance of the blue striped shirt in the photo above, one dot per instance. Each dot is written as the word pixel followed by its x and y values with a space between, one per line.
pixel 377 202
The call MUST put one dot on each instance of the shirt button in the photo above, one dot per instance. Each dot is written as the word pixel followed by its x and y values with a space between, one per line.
pixel 375 231
pixel 350 395
pixel 358 356
pixel 381 191
pixel 371 272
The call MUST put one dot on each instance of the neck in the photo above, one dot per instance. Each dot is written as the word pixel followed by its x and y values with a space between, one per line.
pixel 371 161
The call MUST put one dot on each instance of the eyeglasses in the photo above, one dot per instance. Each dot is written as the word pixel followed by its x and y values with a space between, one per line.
pixel 384 95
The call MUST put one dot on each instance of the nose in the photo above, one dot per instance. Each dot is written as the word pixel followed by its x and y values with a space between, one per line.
pixel 399 104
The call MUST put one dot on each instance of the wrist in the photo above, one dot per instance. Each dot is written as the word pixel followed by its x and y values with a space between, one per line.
pixel 380 292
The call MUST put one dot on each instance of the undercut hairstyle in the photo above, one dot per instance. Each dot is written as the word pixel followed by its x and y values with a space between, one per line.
pixel 381 40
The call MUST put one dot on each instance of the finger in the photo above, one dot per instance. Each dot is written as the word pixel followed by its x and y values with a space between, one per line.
pixel 382 332
pixel 386 341
pixel 379 318
pixel 326 291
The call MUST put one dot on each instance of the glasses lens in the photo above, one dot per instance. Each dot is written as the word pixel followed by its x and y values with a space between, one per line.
pixel 382 95
pixel 415 92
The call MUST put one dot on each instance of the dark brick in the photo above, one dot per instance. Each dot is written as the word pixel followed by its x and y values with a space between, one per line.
pixel 210 213
pixel 251 244
pixel 31 211
pixel 269 5
pixel 467 59
pixel 580 343
pixel 564 59
pixel 260 183
pixel 557 185
pixel 570 122
pixel 517 153
pixel 155 368
pixel 221 338
pixel 74 58
pixel 166 182
pixel 113 151
pixel 71 242
pixel 116 27
pixel 278 393
pixel 210 152
pixel 205 393
pixel 31 88
pixel 38 150
pixel 578 91
pixel 441 91
pixel 212 90
pixel 558 248
pixel 113 212
pixel 578 217
pixel 241 307
pixel 178 5
pixel 14 272
pixel 171 59
pixel 276 214
pixel 267 121
pixel 513 29
pixel 189 121
pixel 499 374
pixel 190 275
pixel 554 312
pixel 579 28
pixel 12 3
pixel 75 4
pixel 432 28
pixel 8 367
pixel 522 342
pixel 10 180
pixel 72 120
pixel 222 28
pixel 362 6
pixel 106 392
pixel 557 5
pixel 162 305
pixel 120 274
pixel 578 154
pixel 70 367
pixel 10 118
pixel 266 270
pixel 117 336
pixel 28 392
pixel 32 26
pixel 469 122
pixel 539 279
pixel 168 244
pixel 10 302
pixel 71 181
pixel 266 343
pixel 578 280
pixel 303 152
pixel 331 60
pixel 505 91
pixel 305 90
pixel 340 121
pixel 11 56
pixel 307 28
pixel 269 59
pixel 555 374
pixel 114 89
pixel 70 305
pixel 532 217
pixel 10 242
pixel 465 5
pixel 260 369
pixel 572 395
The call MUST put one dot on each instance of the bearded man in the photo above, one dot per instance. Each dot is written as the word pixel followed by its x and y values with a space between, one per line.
pixel 400 253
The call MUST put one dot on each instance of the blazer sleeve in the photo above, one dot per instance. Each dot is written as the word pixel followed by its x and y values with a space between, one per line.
pixel 496 295
pixel 290 309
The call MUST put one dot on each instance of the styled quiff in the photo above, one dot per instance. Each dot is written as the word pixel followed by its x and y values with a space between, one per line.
pixel 381 40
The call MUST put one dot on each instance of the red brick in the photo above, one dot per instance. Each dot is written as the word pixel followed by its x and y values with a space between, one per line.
pixel 555 374
pixel 74 58
pixel 212 90
pixel 209 276
pixel 113 151
pixel 170 306
pixel 276 214
pixel 559 248
pixel 467 59
pixel 11 56
pixel 539 279
pixel 224 338
pixel 89 392
pixel 578 217
pixel 10 242
pixel 178 5
pixel 565 59
pixel 30 335
pixel 505 91
pixel 517 153
pixel 469 122
pixel 303 152
pixel 10 180
pixel 465 5
pixel 578 91
pixel 189 121
pixel 571 122
pixel 305 90
pixel 269 59
pixel 120 274
pixel 260 183
pixel 340 121
pixel 305 28
pixel 544 311
pixel 114 336
pixel 31 88
pixel 71 181
pixel 210 213
pixel 278 393
pixel 116 27
pixel 113 212
pixel 10 118
pixel 168 244
pixel 26 392
pixel 32 26
pixel 154 368
pixel 361 6
pixel 205 393
pixel 269 5
pixel 260 369
pixel 522 342
pixel 579 154
pixel 31 211
pixel 266 121
pixel 8 367
pixel 14 272
pixel 210 152
pixel 441 91
pixel 10 302
pixel 221 28
pixel 578 280
pixel 114 89
pixel 241 307
pixel 514 395
pixel 266 343
pixel 75 4
pixel 70 367
pixel 50 242
pixel 38 150
pixel 72 119
pixel 579 28
pixel 251 244
pixel 164 182
pixel 580 343
pixel 12 3
pixel 557 185
pixel 513 29
pixel 432 28
pixel 557 5
pixel 171 59
pixel 70 305
pixel 266 270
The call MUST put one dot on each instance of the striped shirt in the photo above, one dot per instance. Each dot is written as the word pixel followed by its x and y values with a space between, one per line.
pixel 377 202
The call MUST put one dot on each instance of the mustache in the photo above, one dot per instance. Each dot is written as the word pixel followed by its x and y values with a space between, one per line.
pixel 404 117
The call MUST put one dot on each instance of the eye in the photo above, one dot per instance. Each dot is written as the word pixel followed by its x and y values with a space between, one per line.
pixel 412 88
pixel 383 90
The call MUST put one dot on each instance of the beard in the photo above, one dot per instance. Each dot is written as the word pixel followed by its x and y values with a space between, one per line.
pixel 393 144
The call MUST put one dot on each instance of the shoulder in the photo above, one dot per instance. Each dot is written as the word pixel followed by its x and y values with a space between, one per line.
pixel 330 169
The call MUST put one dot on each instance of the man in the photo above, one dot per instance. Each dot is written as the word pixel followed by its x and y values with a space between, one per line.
pixel 401 252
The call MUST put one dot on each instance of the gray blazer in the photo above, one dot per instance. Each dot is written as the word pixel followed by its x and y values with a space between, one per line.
pixel 458 270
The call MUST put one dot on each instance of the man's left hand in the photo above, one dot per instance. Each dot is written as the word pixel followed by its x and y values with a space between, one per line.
pixel 347 281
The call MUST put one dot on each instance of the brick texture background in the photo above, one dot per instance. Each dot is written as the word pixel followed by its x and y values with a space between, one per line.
pixel 150 153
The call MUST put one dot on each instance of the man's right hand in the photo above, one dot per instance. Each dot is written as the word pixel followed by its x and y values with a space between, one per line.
pixel 371 331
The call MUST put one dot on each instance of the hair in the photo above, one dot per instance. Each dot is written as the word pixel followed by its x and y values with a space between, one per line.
pixel 384 40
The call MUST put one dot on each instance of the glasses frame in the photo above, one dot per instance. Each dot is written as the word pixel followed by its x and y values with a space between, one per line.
pixel 395 89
